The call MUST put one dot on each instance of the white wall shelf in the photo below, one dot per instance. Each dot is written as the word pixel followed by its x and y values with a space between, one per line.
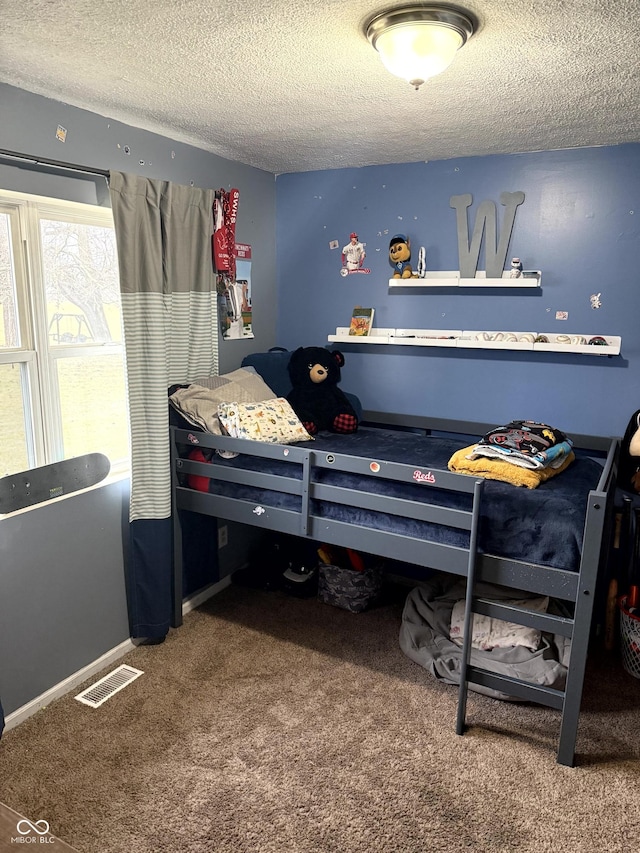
pixel 500 340
pixel 451 278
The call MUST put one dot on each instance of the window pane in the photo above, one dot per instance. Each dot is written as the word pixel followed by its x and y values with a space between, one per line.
pixel 93 407
pixel 81 281
pixel 9 330
pixel 14 455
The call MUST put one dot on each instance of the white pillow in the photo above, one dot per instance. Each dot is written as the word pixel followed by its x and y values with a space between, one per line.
pixel 268 420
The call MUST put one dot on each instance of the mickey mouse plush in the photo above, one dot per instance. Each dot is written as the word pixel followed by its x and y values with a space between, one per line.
pixel 315 397
pixel 629 466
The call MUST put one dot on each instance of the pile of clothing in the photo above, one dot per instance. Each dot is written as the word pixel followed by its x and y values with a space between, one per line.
pixel 524 453
pixel 431 635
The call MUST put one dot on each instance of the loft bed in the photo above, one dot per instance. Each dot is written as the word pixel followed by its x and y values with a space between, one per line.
pixel 386 490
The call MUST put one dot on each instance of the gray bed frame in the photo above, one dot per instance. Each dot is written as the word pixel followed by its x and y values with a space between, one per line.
pixel 576 588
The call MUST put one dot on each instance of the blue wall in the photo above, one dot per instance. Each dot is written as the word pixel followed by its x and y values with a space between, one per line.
pixel 579 224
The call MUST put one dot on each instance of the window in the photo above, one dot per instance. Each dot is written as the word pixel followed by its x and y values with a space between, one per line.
pixel 61 349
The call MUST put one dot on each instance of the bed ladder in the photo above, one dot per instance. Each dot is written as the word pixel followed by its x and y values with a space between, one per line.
pixel 577 629
pixel 595 549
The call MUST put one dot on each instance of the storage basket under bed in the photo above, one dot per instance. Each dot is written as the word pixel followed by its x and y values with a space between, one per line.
pixel 349 589
pixel 630 637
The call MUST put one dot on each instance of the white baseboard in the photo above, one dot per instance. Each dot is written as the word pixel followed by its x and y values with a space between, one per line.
pixel 58 690
pixel 204 594
pixel 21 714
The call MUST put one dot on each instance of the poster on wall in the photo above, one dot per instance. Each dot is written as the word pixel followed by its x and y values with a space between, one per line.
pixel 234 298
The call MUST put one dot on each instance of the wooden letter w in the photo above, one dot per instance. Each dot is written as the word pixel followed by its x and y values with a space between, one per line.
pixel 486 220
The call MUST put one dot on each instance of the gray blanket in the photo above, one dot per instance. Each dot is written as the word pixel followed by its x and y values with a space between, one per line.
pixel 424 637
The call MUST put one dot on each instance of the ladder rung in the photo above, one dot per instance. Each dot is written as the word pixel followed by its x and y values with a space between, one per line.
pixel 539 693
pixel 522 616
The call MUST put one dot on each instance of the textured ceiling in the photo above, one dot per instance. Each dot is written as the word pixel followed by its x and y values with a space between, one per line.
pixel 295 86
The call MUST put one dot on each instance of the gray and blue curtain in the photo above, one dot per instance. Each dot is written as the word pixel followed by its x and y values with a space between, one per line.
pixel 169 309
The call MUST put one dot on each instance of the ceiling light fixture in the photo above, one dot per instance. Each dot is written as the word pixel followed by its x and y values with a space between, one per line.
pixel 417 42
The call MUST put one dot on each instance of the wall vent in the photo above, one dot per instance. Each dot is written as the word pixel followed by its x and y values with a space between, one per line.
pixel 104 689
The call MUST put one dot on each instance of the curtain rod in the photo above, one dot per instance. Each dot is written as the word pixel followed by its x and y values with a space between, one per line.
pixel 58 164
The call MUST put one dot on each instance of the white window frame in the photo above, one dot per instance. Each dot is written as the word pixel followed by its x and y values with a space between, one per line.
pixel 37 358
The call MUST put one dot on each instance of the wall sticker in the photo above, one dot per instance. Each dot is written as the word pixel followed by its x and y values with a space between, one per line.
pixel 353 255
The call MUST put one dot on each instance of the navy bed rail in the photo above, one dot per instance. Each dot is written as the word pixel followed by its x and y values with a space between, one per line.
pixel 303 521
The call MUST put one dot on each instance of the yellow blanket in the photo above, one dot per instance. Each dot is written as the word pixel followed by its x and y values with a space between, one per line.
pixel 496 469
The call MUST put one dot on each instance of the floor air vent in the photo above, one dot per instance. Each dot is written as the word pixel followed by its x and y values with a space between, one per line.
pixel 108 686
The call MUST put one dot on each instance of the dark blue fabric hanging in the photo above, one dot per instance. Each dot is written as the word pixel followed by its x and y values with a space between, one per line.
pixel 149 581
pixel 150 570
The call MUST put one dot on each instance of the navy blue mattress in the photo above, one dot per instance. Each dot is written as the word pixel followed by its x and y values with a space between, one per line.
pixel 543 526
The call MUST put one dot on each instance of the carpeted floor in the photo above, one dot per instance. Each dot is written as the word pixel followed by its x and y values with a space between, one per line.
pixel 270 724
